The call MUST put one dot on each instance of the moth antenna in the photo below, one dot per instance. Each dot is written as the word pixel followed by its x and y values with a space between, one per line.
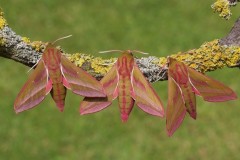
pixel 162 75
pixel 33 66
pixel 114 50
pixel 137 51
pixel 62 38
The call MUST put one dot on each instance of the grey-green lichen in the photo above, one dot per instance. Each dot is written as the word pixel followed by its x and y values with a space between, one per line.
pixel 2 41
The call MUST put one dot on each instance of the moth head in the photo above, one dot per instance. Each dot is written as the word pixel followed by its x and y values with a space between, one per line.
pixel 52 44
pixel 49 45
pixel 170 60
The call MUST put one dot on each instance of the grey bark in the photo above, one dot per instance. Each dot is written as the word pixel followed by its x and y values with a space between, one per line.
pixel 233 38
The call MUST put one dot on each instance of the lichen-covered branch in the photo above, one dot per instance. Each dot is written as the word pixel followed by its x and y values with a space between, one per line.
pixel 208 57
pixel 18 48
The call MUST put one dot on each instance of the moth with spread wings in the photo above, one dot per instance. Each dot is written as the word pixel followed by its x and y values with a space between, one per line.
pixel 54 73
pixel 125 81
pixel 183 83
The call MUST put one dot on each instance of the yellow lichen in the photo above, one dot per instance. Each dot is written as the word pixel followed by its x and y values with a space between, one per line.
pixel 223 8
pixel 80 58
pixel 3 22
pixel 232 55
pixel 208 57
pixel 99 65
pixel 102 66
pixel 26 40
pixel 38 45
pixel 162 61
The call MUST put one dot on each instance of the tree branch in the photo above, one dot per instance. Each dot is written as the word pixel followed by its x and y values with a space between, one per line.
pixel 233 38
pixel 208 57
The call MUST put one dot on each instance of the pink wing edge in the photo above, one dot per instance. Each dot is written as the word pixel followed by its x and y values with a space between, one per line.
pixel 69 64
pixel 180 119
pixel 93 107
pixel 142 106
pixel 36 102
pixel 96 104
pixel 222 98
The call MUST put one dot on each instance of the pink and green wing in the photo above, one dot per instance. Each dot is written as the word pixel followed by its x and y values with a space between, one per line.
pixel 94 104
pixel 179 72
pixel 144 95
pixel 34 90
pixel 79 81
pixel 176 109
pixel 210 89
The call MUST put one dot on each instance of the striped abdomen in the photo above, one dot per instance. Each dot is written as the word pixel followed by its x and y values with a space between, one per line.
pixel 52 60
pixel 125 100
pixel 58 91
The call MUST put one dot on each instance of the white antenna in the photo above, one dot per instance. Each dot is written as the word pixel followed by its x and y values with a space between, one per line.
pixel 33 66
pixel 61 38
pixel 136 51
pixel 114 50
